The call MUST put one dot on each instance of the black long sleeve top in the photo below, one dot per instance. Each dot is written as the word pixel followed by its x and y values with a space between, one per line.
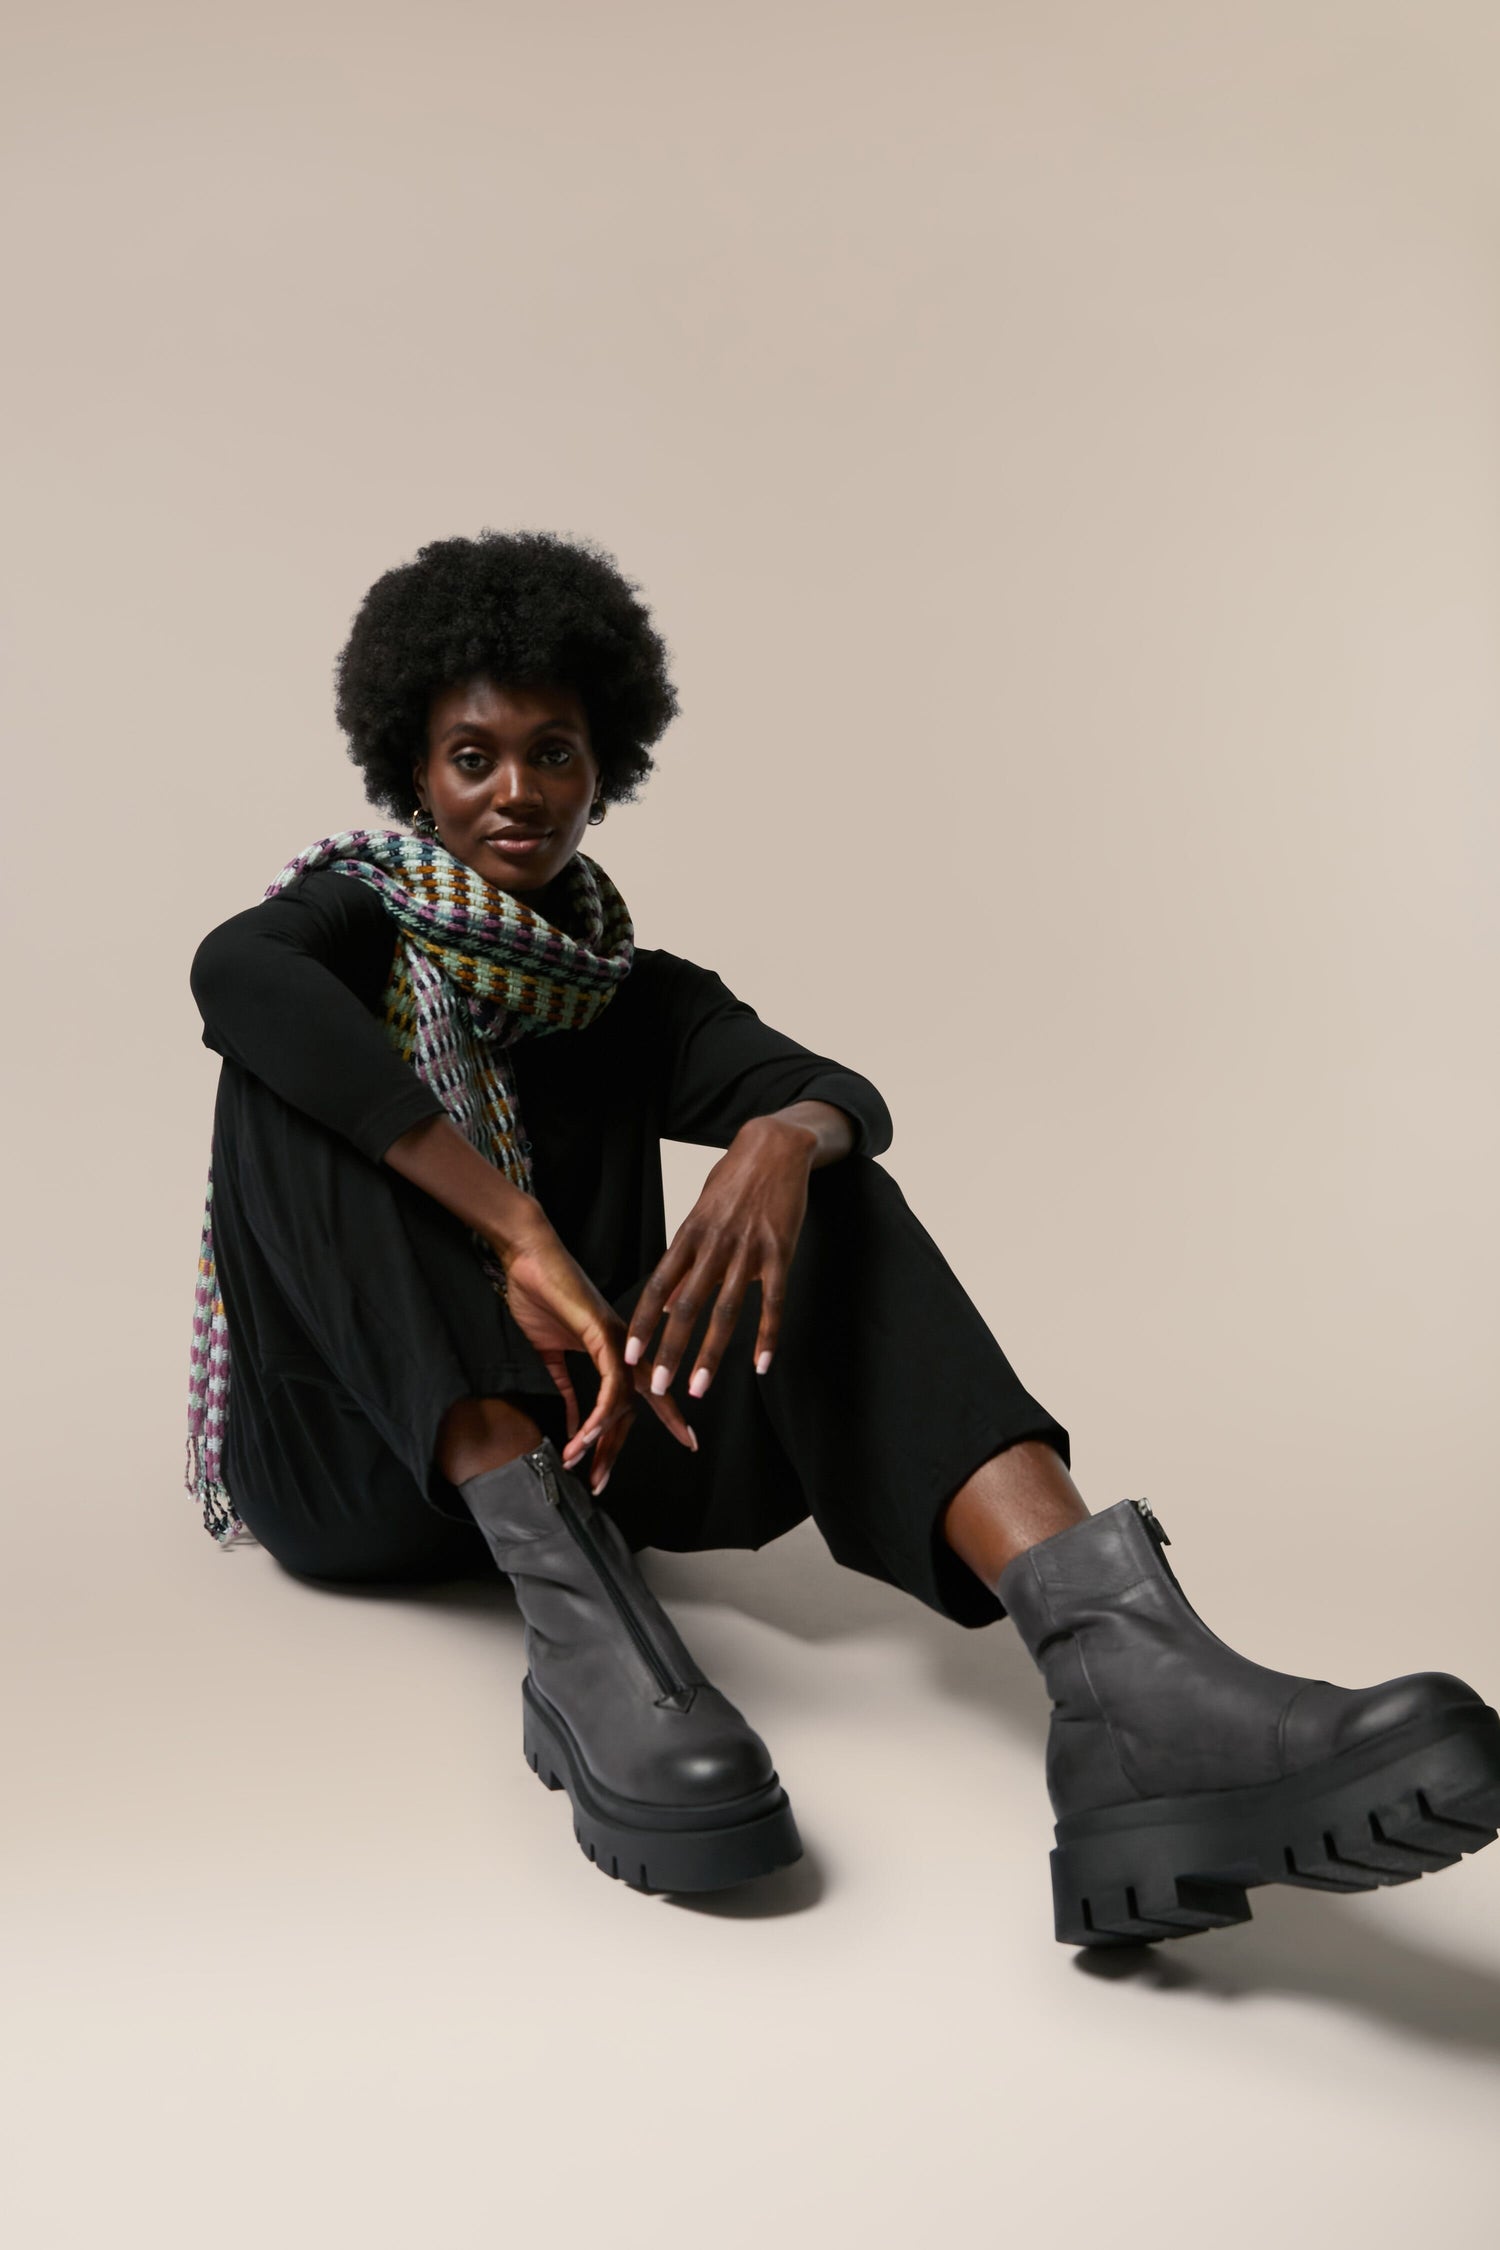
pixel 290 990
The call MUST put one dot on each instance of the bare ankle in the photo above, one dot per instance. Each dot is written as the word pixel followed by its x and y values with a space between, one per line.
pixel 1013 1501
pixel 483 1433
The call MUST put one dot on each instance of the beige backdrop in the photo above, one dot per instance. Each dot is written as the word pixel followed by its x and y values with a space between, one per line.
pixel 1058 440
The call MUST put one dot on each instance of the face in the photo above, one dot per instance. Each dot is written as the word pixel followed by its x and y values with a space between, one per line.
pixel 509 777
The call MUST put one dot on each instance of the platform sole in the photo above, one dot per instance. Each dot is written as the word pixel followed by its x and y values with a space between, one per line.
pixel 659 1847
pixel 1170 1867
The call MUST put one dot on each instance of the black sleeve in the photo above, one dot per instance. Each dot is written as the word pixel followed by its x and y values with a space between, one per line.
pixel 290 989
pixel 722 1065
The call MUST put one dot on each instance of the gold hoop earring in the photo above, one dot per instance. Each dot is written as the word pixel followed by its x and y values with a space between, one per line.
pixel 422 822
pixel 597 810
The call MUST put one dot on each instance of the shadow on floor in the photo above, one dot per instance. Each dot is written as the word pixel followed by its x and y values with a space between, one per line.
pixel 795 1587
pixel 791 1890
pixel 1329 1949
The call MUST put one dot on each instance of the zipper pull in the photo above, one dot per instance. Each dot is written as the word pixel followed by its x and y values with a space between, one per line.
pixel 1150 1520
pixel 543 1468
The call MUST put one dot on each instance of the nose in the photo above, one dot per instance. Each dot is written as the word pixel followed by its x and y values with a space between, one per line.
pixel 517 787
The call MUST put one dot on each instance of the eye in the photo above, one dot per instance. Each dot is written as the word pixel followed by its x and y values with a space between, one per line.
pixel 461 758
pixel 562 751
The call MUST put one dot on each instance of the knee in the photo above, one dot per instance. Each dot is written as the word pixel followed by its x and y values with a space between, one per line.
pixel 855 1183
pixel 851 1206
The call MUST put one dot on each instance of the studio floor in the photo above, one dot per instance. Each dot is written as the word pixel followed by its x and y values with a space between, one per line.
pixel 301 1952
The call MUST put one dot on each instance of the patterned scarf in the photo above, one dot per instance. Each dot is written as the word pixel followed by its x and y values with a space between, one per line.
pixel 473 970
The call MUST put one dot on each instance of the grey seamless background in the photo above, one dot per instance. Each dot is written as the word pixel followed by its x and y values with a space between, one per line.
pixel 1059 443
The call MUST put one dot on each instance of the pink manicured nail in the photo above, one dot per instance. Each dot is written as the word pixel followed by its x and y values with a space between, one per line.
pixel 633 1350
pixel 699 1383
pixel 660 1377
pixel 762 1363
pixel 693 1439
pixel 603 1481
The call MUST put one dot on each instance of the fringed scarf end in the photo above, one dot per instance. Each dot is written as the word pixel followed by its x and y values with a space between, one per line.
pixel 220 1517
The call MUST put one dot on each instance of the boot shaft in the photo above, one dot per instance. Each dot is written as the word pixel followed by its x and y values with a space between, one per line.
pixel 578 1585
pixel 616 1704
pixel 1144 1694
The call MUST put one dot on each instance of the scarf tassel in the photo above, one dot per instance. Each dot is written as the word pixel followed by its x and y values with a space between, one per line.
pixel 220 1516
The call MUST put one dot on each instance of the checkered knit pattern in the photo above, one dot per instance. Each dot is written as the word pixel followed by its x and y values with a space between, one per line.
pixel 474 969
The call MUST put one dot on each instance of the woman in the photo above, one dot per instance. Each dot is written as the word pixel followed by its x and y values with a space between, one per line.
pixel 439 1316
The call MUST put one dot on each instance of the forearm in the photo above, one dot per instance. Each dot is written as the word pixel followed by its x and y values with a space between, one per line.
pixel 824 1129
pixel 436 1157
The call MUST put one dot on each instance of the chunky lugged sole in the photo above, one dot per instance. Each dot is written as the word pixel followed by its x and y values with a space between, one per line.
pixel 1170 1867
pixel 659 1847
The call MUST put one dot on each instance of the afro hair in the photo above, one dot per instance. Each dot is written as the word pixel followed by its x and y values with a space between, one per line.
pixel 521 608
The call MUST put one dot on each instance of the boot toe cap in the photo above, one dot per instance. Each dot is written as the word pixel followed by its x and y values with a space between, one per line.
pixel 1324 1721
pixel 717 1771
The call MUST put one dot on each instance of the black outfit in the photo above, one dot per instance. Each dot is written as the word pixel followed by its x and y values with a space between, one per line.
pixel 358 1312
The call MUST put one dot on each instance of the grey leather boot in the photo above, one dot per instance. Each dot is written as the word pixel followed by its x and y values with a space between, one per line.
pixel 672 1789
pixel 1183 1774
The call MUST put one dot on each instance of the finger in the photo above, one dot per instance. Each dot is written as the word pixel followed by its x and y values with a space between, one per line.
pixel 615 1393
pixel 557 1368
pixel 613 1436
pixel 606 1410
pixel 721 1326
pixel 667 1410
pixel 609 1449
pixel 698 1287
pixel 648 1306
pixel 772 1300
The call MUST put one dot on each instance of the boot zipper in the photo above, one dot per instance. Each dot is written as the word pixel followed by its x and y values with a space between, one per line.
pixel 1150 1520
pixel 655 1664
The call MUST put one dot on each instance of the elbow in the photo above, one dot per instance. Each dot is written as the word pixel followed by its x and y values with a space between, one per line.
pixel 211 972
pixel 874 1129
pixel 203 972
pixel 861 1102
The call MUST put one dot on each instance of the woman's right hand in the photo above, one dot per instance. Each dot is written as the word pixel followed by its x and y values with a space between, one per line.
pixel 551 1296
pixel 559 1309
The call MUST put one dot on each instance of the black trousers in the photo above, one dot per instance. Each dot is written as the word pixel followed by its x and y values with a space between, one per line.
pixel 358 1313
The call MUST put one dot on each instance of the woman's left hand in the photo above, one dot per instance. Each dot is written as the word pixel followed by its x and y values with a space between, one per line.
pixel 742 1229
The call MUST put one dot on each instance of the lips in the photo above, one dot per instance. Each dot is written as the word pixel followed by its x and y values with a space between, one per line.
pixel 518 839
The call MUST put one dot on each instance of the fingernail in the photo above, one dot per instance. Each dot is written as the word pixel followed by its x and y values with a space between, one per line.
pixel 660 1378
pixel 699 1383
pixel 693 1439
pixel 633 1349
pixel 603 1481
pixel 762 1363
